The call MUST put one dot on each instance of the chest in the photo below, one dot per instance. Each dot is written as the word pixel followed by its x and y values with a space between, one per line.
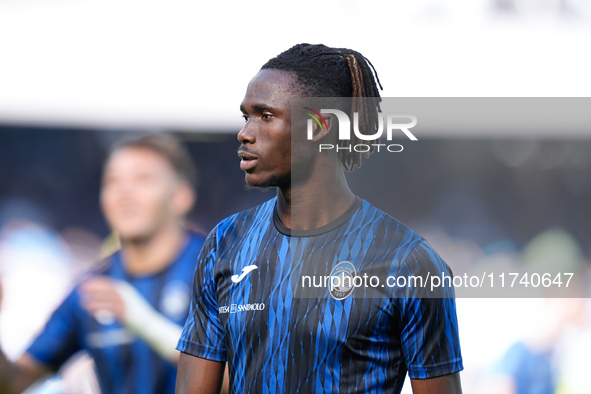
pixel 262 305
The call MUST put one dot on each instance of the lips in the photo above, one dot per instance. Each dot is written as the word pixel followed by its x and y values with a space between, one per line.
pixel 249 160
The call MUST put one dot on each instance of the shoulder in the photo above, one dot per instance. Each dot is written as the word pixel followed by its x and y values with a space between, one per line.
pixel 371 214
pixel 244 222
pixel 396 239
pixel 260 212
pixel 385 228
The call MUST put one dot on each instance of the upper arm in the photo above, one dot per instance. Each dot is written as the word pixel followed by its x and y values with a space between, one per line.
pixel 448 384
pixel 198 375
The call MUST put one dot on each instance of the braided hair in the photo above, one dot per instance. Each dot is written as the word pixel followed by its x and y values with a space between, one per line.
pixel 322 71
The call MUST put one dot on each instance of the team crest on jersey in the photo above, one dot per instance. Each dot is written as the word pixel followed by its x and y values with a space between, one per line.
pixel 341 280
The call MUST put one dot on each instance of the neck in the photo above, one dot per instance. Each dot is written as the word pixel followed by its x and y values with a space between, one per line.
pixel 316 202
pixel 153 254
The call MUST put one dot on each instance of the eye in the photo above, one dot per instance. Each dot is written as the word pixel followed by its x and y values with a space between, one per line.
pixel 145 178
pixel 267 116
pixel 245 117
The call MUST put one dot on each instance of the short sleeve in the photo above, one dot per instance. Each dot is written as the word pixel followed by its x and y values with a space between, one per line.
pixel 429 331
pixel 203 334
pixel 59 339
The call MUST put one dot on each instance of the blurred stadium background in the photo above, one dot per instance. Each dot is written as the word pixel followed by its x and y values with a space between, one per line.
pixel 75 75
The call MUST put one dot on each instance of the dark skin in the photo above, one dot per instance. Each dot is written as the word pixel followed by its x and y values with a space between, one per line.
pixel 267 150
pixel 319 197
pixel 198 375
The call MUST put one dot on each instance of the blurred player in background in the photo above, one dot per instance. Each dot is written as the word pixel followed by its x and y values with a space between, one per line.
pixel 128 313
pixel 530 365
pixel 245 309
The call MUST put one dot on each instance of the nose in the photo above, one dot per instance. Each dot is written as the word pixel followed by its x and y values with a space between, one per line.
pixel 122 189
pixel 246 135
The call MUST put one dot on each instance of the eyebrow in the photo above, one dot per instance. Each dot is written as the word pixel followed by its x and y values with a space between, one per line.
pixel 258 107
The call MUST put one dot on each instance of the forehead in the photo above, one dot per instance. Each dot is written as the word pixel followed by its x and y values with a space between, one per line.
pixel 136 158
pixel 271 88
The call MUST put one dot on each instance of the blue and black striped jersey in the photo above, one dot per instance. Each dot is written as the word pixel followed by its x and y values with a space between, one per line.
pixel 124 363
pixel 249 306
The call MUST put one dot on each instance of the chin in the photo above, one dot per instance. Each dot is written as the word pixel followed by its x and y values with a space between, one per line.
pixel 134 238
pixel 267 182
pixel 133 235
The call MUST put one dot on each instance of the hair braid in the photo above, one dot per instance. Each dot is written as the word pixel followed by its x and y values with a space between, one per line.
pixel 322 71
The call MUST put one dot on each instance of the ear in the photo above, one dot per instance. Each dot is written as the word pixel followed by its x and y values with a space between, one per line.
pixel 184 199
pixel 321 132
